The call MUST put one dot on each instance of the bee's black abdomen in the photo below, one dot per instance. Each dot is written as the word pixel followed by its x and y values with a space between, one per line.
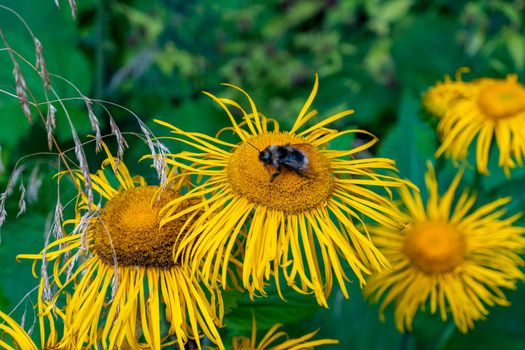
pixel 285 157
pixel 296 156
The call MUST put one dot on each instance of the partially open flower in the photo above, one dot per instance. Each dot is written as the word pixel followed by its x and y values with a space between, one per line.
pixel 293 203
pixel 484 109
pixel 440 97
pixel 128 271
pixel 455 259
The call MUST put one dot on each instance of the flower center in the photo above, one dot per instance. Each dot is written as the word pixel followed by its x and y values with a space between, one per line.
pixel 502 99
pixel 128 232
pixel 305 180
pixel 434 247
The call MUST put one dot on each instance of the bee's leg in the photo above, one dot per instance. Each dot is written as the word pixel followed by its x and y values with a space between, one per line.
pixel 277 172
pixel 268 169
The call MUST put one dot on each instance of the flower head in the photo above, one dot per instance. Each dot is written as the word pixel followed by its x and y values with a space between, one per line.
pixel 456 259
pixel 487 108
pixel 121 265
pixel 286 199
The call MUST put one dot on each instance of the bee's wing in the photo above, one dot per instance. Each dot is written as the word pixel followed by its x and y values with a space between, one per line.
pixel 301 167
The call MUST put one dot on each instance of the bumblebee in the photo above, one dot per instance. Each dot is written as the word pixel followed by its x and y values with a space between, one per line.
pixel 286 157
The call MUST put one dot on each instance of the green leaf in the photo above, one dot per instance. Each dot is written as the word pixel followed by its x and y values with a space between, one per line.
pixel 355 324
pixel 384 13
pixel 22 235
pixel 171 57
pixel 79 118
pixel 425 49
pixel 513 188
pixel 516 46
pixel 150 24
pixel 431 329
pixel 497 177
pixel 12 115
pixel 270 310
pixel 411 142
pixel 303 10
pixel 379 63
pixel 487 341
pixel 200 115
pixel 395 9
pixel 510 11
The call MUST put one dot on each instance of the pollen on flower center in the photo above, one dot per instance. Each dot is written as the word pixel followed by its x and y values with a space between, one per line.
pixel 434 247
pixel 502 99
pixel 290 191
pixel 127 231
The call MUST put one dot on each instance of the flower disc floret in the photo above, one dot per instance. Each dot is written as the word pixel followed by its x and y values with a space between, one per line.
pixel 128 230
pixel 434 247
pixel 289 191
pixel 500 100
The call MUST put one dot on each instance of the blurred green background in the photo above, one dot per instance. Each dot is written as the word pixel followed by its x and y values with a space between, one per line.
pixel 155 57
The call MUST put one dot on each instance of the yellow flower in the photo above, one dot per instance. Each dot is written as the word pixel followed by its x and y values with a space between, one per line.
pixel 125 270
pixel 275 339
pixel 300 222
pixel 484 108
pixel 438 99
pixel 456 259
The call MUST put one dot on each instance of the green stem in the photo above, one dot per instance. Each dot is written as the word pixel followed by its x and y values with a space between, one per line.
pixel 446 335
pixel 99 52
pixel 405 340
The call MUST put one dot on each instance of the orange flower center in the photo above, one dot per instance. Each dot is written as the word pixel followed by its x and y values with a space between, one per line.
pixel 502 99
pixel 128 230
pixel 434 247
pixel 305 180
